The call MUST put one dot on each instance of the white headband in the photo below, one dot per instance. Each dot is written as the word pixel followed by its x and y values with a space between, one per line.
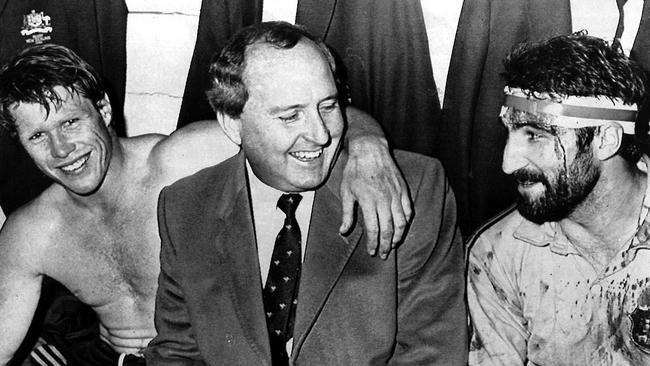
pixel 572 111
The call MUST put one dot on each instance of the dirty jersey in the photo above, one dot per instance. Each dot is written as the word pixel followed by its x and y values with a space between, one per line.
pixel 534 300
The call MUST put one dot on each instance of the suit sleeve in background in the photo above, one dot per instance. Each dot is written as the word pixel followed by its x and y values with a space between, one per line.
pixel 383 48
pixel 219 20
pixel 471 138
pixel 382 45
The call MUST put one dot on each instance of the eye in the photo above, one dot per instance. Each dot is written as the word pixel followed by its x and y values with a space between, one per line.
pixel 532 136
pixel 69 122
pixel 328 107
pixel 36 137
pixel 290 116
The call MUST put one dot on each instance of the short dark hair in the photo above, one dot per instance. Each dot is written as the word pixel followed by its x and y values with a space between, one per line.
pixel 581 65
pixel 227 92
pixel 32 75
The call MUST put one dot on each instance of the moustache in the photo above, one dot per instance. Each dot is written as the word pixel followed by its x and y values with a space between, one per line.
pixel 523 176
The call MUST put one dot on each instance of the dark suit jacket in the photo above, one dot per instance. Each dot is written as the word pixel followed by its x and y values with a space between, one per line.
pixel 471 137
pixel 353 309
pixel 382 44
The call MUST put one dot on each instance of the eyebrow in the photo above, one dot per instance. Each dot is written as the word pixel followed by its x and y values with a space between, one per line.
pixel 278 109
pixel 548 128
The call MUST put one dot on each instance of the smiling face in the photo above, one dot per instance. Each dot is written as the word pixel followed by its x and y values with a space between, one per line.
pixel 554 175
pixel 291 125
pixel 72 144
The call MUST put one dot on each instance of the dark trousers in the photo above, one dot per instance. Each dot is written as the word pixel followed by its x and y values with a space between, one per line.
pixel 73 329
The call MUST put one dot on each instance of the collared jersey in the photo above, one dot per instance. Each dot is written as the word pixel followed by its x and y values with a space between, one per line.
pixel 534 300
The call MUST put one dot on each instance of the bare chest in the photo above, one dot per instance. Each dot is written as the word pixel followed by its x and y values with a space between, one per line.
pixel 106 259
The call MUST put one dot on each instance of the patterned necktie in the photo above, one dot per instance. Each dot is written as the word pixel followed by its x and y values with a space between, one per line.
pixel 281 289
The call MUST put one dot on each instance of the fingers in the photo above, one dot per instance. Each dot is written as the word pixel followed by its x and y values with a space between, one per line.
pixel 405 200
pixel 385 219
pixel 644 232
pixel 348 211
pixel 400 221
pixel 372 231
pixel 401 209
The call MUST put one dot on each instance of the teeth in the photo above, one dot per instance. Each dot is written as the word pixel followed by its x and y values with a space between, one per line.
pixel 307 155
pixel 75 165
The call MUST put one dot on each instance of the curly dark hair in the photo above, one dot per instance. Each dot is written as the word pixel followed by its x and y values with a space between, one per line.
pixel 581 65
pixel 32 75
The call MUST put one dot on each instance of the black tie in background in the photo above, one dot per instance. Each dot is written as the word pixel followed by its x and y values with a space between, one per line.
pixel 619 27
pixel 281 289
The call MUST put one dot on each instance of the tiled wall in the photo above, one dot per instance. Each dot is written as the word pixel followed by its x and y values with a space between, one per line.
pixel 160 41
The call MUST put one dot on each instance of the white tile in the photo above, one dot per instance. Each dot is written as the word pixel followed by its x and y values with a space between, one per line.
pixel 151 114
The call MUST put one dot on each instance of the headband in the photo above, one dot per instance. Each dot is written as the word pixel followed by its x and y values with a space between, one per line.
pixel 573 111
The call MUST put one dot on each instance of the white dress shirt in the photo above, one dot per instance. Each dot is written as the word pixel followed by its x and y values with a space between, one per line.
pixel 268 220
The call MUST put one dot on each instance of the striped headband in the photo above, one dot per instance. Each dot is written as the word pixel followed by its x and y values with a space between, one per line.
pixel 572 111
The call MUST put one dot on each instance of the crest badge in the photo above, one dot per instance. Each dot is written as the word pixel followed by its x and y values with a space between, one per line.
pixel 36 28
pixel 640 328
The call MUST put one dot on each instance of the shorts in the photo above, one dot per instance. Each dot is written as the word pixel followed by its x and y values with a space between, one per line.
pixel 70 336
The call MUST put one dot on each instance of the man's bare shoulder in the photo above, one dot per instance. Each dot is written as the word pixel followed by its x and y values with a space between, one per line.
pixel 28 231
pixel 196 146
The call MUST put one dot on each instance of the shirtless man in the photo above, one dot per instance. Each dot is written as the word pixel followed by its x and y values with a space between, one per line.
pixel 95 229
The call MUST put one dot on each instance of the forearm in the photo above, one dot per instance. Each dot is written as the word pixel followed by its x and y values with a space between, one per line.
pixel 18 303
pixel 362 126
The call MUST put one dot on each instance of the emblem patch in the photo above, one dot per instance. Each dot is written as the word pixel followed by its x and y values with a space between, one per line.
pixel 640 318
pixel 36 27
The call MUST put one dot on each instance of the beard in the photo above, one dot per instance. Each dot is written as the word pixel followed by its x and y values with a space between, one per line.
pixel 565 189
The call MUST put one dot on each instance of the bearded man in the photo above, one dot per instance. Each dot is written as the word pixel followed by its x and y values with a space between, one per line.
pixel 564 279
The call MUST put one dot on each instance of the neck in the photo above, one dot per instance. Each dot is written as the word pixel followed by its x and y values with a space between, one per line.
pixel 605 221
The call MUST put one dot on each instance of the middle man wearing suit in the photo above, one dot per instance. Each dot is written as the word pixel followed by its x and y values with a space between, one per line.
pixel 245 283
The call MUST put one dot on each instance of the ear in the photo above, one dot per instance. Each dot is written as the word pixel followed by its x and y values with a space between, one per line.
pixel 608 140
pixel 230 126
pixel 105 110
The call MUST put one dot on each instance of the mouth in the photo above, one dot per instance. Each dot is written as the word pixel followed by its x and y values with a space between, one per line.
pixel 527 183
pixel 307 156
pixel 76 165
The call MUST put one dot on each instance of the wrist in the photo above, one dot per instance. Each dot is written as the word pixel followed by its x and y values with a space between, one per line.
pixel 365 144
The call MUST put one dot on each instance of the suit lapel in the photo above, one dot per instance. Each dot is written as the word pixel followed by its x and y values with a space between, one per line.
pixel 239 250
pixel 316 15
pixel 325 258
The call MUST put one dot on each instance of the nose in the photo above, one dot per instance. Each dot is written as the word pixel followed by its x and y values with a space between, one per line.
pixel 514 155
pixel 60 146
pixel 317 132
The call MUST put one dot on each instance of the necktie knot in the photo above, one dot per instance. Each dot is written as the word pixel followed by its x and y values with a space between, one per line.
pixel 288 203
